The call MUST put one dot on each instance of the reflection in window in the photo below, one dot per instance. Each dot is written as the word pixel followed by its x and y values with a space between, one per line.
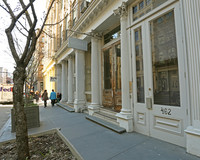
pixel 107 69
pixel 165 61
pixel 118 66
pixel 139 66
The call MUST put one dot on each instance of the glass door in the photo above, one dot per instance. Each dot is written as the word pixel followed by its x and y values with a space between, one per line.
pixel 159 106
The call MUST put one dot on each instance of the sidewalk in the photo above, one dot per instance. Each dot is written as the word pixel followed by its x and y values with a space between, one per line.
pixel 95 142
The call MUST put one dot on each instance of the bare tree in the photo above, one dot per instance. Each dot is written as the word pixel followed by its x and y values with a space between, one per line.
pixel 23 21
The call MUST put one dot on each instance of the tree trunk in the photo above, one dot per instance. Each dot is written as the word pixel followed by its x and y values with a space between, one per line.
pixel 19 76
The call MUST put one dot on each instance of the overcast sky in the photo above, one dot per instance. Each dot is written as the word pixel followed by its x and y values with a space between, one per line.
pixel 6 59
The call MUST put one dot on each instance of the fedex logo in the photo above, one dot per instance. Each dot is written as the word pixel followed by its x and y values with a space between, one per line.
pixel 6 89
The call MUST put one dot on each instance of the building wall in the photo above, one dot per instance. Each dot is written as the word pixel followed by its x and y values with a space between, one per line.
pixel 143 74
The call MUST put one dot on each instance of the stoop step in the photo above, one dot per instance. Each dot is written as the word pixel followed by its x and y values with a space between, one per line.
pixel 107 115
pixel 66 107
pixel 106 124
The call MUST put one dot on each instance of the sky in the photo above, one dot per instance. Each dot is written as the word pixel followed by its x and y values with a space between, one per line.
pixel 6 59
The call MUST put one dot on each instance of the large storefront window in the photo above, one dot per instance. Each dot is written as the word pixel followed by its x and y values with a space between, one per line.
pixel 165 61
pixel 139 66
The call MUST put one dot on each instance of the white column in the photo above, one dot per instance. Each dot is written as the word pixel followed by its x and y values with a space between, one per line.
pixel 70 81
pixel 191 14
pixel 125 117
pixel 58 70
pixel 64 82
pixel 96 50
pixel 79 101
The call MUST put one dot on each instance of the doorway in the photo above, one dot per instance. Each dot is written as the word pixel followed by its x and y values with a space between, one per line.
pixel 111 77
pixel 159 108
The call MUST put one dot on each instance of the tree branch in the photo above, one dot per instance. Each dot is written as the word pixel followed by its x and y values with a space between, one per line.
pixel 45 19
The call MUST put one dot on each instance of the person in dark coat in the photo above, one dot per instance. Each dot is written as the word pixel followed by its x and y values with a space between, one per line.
pixel 45 98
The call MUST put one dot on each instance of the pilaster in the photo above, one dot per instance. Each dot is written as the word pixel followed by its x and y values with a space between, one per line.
pixel 64 81
pixel 70 80
pixel 79 101
pixel 59 74
pixel 125 117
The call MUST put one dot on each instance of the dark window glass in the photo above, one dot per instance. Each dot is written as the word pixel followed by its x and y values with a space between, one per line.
pixel 134 9
pixel 118 66
pixel 107 69
pixel 139 66
pixel 141 5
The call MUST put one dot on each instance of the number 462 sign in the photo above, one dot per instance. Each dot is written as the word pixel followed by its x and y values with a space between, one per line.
pixel 166 111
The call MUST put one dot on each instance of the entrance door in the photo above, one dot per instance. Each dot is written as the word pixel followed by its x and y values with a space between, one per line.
pixel 159 99
pixel 111 76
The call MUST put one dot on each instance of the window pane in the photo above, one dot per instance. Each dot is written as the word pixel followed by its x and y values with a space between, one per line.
pixel 118 66
pixel 134 9
pixel 107 69
pixel 139 66
pixel 141 4
pixel 165 61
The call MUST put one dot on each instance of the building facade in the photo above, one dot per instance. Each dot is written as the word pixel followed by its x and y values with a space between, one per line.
pixel 136 58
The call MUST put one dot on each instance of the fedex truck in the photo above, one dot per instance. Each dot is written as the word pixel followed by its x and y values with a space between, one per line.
pixel 6 93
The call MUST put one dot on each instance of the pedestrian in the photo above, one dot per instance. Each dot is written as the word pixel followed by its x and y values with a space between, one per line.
pixel 45 98
pixel 37 96
pixel 53 97
pixel 58 97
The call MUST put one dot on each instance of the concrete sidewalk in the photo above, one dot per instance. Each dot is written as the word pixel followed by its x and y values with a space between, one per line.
pixel 95 142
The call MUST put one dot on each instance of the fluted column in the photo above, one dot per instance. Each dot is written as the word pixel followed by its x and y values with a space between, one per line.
pixel 79 101
pixel 70 80
pixel 58 74
pixel 64 82
pixel 125 117
pixel 96 50
pixel 191 14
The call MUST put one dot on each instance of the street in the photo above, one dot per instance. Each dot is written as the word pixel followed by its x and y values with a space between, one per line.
pixel 4 114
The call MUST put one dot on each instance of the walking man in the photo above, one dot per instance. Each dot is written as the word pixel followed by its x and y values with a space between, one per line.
pixel 45 98
pixel 53 97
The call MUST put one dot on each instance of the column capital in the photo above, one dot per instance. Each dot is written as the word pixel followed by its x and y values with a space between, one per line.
pixel 122 10
pixel 69 57
pixel 63 61
pixel 58 65
pixel 96 35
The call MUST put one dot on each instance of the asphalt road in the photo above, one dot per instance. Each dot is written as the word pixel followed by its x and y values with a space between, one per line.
pixel 4 114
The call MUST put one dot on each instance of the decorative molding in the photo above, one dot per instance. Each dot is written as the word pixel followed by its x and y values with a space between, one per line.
pixel 122 10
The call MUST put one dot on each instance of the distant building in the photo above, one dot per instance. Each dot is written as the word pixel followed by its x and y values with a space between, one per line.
pixel 38 56
pixel 5 76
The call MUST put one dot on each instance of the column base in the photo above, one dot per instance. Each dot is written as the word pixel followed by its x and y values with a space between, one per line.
pixel 70 102
pixel 193 140
pixel 125 121
pixel 92 108
pixel 63 100
pixel 79 105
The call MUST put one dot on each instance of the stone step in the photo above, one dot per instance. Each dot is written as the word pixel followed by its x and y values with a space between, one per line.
pixel 108 112
pixel 106 124
pixel 107 118
pixel 66 107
